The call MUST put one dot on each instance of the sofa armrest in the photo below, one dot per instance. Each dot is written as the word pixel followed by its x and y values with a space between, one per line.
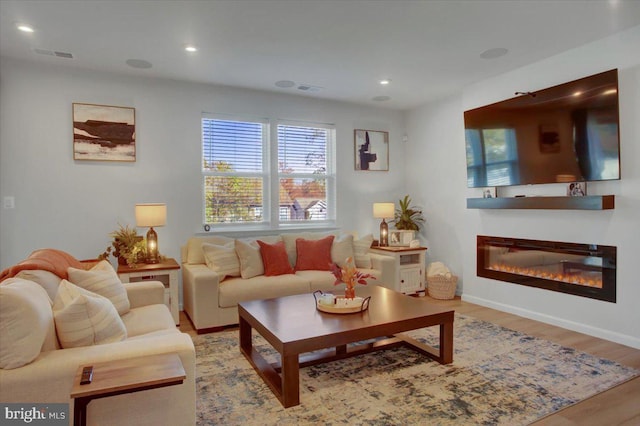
pixel 143 293
pixel 387 267
pixel 200 295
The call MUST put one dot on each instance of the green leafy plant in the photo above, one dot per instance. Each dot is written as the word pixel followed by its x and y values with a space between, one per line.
pixel 127 246
pixel 406 216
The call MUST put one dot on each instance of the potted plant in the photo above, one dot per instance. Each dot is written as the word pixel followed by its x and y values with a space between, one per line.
pixel 127 246
pixel 407 217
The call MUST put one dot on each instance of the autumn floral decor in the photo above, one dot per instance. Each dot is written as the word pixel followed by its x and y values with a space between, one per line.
pixel 349 275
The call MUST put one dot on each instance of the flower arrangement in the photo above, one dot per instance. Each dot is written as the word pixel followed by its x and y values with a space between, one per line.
pixel 350 276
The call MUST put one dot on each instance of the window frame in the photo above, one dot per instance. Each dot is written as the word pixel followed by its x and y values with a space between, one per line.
pixel 329 176
pixel 271 176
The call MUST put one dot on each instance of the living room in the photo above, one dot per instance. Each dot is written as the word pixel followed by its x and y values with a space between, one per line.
pixel 74 205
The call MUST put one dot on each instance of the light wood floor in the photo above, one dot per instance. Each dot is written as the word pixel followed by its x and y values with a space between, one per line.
pixel 617 406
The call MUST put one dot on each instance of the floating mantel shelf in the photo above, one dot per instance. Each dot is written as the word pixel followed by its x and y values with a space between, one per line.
pixel 589 202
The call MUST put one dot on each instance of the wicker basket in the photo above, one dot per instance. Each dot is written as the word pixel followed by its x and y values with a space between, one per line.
pixel 441 287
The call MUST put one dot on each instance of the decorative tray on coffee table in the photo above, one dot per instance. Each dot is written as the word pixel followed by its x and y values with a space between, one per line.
pixel 340 305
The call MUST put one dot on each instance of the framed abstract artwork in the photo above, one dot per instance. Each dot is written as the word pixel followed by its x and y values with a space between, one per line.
pixel 104 133
pixel 371 150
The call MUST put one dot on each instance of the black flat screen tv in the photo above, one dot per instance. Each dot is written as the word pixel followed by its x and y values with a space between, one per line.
pixel 566 133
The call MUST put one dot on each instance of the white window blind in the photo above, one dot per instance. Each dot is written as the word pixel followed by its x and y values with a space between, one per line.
pixel 238 179
pixel 303 172
pixel 233 169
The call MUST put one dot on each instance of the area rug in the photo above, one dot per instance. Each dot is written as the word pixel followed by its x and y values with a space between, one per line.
pixel 498 377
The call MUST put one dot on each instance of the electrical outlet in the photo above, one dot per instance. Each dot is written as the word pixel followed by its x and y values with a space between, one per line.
pixel 9 202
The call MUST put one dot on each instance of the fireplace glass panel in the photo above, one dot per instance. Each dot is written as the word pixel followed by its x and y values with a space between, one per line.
pixel 581 269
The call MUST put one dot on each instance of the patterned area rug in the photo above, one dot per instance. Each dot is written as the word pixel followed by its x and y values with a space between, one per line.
pixel 498 376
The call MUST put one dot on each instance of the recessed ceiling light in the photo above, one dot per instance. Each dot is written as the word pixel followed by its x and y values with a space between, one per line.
pixel 385 81
pixel 25 28
pixel 380 98
pixel 496 52
pixel 285 83
pixel 190 48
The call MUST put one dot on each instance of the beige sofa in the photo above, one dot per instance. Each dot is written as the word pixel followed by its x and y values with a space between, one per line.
pixel 211 298
pixel 49 377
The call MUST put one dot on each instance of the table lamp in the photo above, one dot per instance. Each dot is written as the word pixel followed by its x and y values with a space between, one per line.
pixel 384 211
pixel 151 215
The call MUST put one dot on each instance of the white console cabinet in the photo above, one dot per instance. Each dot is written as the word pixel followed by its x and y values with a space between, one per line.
pixel 410 268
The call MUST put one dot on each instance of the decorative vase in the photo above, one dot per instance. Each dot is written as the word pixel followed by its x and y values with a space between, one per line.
pixel 350 292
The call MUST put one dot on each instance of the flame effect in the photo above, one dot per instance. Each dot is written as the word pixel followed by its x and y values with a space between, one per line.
pixel 577 277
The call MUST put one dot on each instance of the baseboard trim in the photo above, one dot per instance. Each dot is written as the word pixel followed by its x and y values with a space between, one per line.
pixel 612 336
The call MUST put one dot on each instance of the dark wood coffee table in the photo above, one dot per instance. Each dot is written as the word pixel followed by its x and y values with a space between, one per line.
pixel 293 326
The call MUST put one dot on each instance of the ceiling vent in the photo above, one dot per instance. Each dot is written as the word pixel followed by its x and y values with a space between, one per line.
pixel 309 88
pixel 63 55
pixel 53 53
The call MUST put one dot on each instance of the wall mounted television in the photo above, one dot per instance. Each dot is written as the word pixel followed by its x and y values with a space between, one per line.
pixel 566 133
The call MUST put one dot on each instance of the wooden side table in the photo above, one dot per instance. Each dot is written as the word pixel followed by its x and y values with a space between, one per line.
pixel 125 376
pixel 165 272
pixel 410 268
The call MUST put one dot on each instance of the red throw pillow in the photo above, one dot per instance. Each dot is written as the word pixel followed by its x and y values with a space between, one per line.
pixel 314 254
pixel 275 259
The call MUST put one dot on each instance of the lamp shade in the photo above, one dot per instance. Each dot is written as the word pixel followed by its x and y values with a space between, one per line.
pixel 151 214
pixel 383 210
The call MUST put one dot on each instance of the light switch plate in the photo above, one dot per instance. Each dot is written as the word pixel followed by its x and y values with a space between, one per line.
pixel 9 202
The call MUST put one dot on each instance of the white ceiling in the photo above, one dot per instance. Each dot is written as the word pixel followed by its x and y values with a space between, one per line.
pixel 427 48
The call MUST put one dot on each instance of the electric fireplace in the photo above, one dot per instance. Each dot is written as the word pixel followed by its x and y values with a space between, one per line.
pixel 587 270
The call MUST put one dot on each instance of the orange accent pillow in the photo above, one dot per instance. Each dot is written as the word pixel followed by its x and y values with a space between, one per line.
pixel 314 254
pixel 275 259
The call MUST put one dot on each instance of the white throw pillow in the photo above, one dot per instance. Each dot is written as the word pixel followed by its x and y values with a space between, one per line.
pixel 361 251
pixel 195 255
pixel 102 279
pixel 250 260
pixel 25 322
pixel 84 318
pixel 222 259
pixel 248 252
pixel 342 249
pixel 48 280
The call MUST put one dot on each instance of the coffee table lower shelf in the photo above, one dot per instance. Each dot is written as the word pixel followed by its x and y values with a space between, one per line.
pixel 283 378
pixel 284 383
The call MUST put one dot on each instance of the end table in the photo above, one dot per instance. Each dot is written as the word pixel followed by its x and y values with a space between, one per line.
pixel 125 376
pixel 410 268
pixel 165 272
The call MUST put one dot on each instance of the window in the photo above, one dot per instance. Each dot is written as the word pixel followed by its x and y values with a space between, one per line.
pixel 250 180
pixel 303 173
pixel 491 157
pixel 234 171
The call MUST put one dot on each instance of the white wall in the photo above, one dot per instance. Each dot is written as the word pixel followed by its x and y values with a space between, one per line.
pixel 436 177
pixel 73 205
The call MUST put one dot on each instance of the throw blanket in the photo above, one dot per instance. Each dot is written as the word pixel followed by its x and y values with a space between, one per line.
pixel 55 261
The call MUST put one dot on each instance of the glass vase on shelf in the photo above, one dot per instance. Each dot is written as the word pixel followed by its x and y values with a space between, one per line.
pixel 350 292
